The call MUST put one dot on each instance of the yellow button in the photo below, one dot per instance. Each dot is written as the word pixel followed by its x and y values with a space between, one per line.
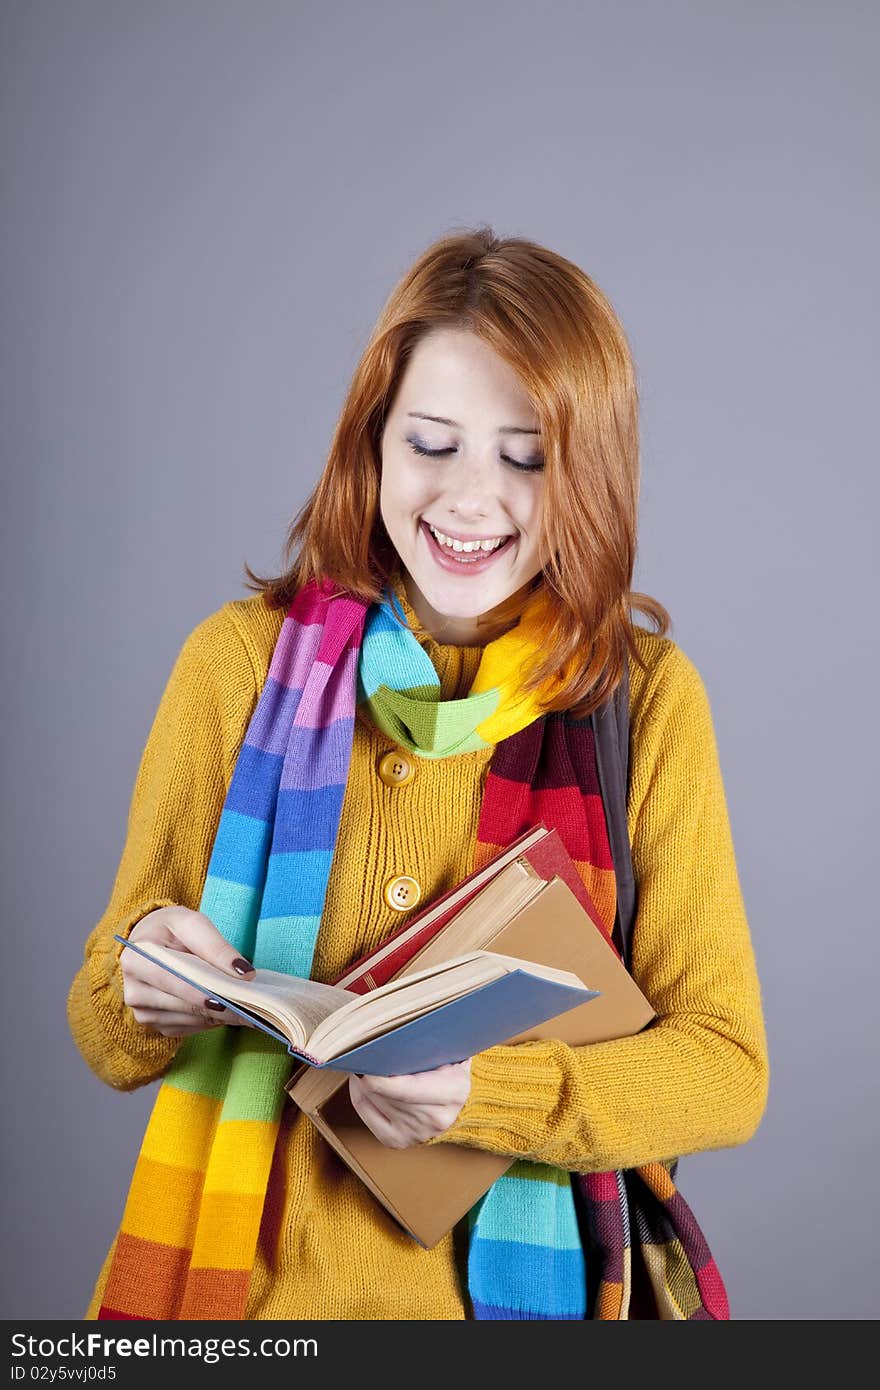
pixel 402 892
pixel 396 769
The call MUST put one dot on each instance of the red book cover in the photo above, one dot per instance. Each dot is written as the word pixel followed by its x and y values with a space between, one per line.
pixel 544 851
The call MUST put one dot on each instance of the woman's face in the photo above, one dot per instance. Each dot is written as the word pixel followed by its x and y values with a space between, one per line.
pixel 483 480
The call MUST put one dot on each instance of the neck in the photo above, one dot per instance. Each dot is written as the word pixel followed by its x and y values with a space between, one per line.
pixel 450 630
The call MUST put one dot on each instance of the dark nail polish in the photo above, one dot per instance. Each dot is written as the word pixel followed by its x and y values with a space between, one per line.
pixel 213 1004
pixel 242 966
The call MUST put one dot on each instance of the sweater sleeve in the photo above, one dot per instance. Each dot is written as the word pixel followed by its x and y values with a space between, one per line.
pixel 697 1077
pixel 175 808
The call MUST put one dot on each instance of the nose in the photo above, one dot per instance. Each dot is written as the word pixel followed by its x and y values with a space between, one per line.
pixel 470 488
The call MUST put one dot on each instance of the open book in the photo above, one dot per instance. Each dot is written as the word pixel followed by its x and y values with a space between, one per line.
pixel 444 1013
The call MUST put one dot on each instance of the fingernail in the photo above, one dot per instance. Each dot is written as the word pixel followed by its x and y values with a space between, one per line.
pixel 242 966
pixel 213 1004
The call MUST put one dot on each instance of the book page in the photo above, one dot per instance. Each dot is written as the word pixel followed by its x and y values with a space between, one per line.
pixel 400 1001
pixel 295 1006
pixel 494 905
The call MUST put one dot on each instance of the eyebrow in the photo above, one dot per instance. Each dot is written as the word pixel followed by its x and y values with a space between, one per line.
pixel 441 420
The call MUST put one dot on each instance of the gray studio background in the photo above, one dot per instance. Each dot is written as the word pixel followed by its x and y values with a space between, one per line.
pixel 205 205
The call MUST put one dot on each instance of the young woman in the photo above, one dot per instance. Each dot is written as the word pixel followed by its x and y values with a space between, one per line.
pixel 350 742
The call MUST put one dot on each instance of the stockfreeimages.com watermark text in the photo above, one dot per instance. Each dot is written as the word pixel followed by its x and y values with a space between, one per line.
pixel 98 1345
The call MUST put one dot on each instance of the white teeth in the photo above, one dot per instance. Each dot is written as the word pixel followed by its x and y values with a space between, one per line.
pixel 465 546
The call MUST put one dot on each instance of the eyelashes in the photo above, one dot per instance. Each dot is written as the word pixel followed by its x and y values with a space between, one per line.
pixel 536 467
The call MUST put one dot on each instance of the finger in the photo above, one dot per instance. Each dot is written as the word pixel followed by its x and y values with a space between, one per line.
pixel 140 973
pixel 164 1022
pixel 195 932
pixel 403 1110
pixel 175 1025
pixel 451 1071
pixel 140 996
pixel 415 1124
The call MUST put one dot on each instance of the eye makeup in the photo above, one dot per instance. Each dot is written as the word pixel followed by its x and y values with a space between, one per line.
pixel 537 466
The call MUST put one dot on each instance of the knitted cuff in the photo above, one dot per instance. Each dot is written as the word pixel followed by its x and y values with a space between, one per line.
pixel 513 1089
pixel 112 1021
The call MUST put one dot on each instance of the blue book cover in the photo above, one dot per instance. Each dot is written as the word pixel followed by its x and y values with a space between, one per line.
pixel 489 1014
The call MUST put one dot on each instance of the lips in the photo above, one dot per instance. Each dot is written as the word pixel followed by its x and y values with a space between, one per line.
pixel 446 558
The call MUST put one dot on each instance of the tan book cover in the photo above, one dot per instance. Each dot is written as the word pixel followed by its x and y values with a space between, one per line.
pixel 427 1189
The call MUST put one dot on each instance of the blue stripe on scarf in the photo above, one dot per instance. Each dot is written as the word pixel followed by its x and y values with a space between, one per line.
pixel 234 909
pixel 253 793
pixel 536 1279
pixel 525 1258
pixel 307 820
pixel 486 1312
pixel 296 880
pixel 241 849
pixel 287 943
pixel 554 1223
pixel 391 656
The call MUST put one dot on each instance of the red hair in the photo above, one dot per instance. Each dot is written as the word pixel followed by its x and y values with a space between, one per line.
pixel 552 324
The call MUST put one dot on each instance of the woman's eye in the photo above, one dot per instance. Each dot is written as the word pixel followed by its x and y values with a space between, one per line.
pixel 428 453
pixel 535 467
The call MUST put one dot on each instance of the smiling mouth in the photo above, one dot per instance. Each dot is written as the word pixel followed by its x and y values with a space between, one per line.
pixel 463 559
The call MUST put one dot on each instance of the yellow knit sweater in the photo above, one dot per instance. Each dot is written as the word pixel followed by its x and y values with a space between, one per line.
pixel 697 1079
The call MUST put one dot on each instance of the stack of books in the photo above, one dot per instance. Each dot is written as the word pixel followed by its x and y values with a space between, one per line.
pixel 530 904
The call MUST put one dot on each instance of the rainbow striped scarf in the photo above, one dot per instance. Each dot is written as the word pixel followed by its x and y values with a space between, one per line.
pixel 187 1241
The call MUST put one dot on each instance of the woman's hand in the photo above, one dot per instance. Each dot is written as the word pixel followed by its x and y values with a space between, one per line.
pixel 159 1000
pixel 406 1110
